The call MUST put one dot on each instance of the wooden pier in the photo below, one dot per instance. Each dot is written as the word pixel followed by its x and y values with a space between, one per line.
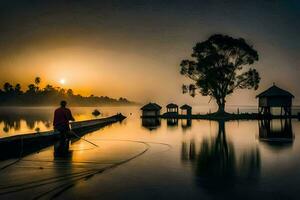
pixel 20 145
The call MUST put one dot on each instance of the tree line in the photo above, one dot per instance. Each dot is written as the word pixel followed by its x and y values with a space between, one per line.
pixel 34 95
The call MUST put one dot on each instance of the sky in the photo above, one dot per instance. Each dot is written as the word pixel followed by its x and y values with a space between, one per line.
pixel 132 49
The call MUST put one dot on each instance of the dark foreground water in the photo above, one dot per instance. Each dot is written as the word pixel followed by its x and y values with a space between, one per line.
pixel 154 159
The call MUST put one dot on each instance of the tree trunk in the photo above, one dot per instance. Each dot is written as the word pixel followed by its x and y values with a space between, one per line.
pixel 221 106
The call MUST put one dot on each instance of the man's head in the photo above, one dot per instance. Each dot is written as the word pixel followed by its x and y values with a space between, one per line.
pixel 63 104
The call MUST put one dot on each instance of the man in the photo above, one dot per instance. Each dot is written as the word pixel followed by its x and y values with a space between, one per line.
pixel 62 116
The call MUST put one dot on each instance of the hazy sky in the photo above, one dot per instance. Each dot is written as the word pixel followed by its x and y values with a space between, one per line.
pixel 133 48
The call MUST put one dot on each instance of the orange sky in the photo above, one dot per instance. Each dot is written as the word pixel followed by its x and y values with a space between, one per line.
pixel 134 50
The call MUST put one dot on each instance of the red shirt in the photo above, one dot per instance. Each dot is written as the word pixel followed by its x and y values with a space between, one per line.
pixel 62 116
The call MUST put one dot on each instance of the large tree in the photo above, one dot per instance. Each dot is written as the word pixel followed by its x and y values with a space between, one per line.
pixel 220 65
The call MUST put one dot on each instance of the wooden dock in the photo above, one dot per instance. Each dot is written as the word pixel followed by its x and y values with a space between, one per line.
pixel 20 145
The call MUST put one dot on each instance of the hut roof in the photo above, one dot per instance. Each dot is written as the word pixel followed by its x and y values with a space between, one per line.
pixel 275 91
pixel 172 105
pixel 185 107
pixel 151 106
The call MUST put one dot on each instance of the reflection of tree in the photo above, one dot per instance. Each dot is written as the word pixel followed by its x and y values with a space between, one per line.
pixel 249 164
pixel 30 123
pixel 215 163
pixel 11 118
pixel 10 123
pixel 48 124
pixel 216 160
pixel 5 129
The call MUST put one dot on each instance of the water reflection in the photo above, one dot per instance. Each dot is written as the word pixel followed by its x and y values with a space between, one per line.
pixel 216 164
pixel 186 123
pixel 62 150
pixel 13 119
pixel 16 120
pixel 151 123
pixel 276 133
pixel 172 122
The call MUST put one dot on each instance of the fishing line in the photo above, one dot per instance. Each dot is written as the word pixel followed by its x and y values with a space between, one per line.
pixel 22 145
pixel 67 186
pixel 83 138
pixel 46 179
pixel 160 143
pixel 75 162
pixel 77 176
pixel 138 141
pixel 41 183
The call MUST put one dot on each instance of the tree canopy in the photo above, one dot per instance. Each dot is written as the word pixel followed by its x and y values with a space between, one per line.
pixel 219 66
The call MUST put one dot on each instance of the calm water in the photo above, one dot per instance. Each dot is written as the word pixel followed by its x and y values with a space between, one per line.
pixel 22 120
pixel 155 159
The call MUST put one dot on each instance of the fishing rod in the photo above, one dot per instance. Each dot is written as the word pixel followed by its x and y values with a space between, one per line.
pixel 71 131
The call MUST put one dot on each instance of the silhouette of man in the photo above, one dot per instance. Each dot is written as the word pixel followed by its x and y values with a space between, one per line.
pixel 62 116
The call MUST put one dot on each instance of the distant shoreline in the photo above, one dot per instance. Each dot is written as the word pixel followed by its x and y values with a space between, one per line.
pixel 13 95
pixel 87 106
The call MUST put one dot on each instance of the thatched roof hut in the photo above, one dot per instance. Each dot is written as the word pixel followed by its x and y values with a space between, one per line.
pixel 151 110
pixel 186 108
pixel 275 91
pixel 172 107
pixel 275 97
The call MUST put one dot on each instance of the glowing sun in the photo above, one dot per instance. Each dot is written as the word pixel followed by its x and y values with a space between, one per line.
pixel 62 81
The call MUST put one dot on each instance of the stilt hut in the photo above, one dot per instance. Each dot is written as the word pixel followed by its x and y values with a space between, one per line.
pixel 275 97
pixel 186 110
pixel 172 108
pixel 151 110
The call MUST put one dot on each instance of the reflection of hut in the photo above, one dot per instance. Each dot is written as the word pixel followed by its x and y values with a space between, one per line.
pixel 275 97
pixel 172 108
pixel 186 110
pixel 151 110
pixel 172 121
pixel 186 123
pixel 276 131
pixel 150 123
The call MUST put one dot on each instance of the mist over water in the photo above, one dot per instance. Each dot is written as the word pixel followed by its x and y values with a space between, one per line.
pixel 22 120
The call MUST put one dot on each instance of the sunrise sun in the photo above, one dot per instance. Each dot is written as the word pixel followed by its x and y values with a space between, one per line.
pixel 62 81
